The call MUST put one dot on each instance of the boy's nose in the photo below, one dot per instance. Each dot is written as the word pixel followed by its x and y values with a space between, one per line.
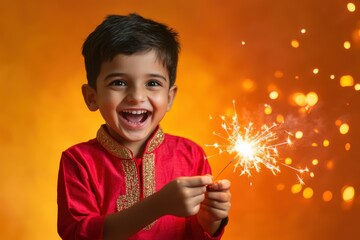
pixel 136 94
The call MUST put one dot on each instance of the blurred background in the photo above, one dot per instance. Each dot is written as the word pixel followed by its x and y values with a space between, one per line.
pixel 296 62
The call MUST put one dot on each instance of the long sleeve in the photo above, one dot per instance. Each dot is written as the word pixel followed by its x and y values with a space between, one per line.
pixel 79 216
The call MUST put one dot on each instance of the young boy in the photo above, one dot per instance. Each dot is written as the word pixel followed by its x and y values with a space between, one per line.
pixel 133 181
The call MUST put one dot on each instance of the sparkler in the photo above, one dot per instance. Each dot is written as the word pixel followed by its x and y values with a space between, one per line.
pixel 252 148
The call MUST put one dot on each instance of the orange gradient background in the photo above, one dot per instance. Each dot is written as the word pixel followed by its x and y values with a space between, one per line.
pixel 239 50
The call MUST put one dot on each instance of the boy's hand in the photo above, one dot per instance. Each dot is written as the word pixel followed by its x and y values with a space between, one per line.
pixel 182 196
pixel 216 206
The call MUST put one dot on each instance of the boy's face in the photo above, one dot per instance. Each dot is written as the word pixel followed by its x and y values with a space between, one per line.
pixel 133 94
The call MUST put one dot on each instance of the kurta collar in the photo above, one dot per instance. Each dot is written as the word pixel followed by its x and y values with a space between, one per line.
pixel 120 151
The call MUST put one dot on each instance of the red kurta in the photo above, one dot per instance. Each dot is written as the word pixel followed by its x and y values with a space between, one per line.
pixel 101 176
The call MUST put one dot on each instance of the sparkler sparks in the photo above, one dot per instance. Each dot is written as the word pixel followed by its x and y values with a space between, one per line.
pixel 252 148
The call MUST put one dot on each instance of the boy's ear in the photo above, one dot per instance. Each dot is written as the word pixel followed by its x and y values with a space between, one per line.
pixel 89 94
pixel 171 96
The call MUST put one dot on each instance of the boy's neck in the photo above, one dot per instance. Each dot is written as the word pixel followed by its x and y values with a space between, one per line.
pixel 137 148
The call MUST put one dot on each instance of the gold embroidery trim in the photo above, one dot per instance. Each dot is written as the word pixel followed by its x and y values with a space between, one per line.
pixel 112 146
pixel 149 186
pixel 149 174
pixel 156 140
pixel 115 148
pixel 132 184
pixel 132 190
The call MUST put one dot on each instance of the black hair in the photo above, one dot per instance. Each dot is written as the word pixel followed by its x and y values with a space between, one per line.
pixel 128 35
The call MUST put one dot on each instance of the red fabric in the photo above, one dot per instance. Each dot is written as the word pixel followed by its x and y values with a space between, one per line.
pixel 91 179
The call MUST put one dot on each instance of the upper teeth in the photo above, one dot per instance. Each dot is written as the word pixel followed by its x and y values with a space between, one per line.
pixel 135 111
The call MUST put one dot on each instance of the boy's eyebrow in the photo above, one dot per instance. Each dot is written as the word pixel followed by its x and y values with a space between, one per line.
pixel 110 75
pixel 119 74
pixel 157 76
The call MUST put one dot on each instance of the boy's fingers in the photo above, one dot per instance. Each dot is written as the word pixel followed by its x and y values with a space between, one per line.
pixel 219 185
pixel 218 196
pixel 196 181
pixel 216 204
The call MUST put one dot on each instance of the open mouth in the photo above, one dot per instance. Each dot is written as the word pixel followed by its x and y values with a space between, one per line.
pixel 135 117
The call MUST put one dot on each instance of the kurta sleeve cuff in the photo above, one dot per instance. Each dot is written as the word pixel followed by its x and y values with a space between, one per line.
pixel 195 230
pixel 87 228
pixel 221 229
pixel 92 228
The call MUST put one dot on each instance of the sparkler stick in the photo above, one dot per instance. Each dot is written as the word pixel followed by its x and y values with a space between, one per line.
pixel 223 169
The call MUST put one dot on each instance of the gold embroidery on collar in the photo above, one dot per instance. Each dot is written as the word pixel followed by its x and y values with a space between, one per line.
pixel 112 146
pixel 115 148
pixel 156 140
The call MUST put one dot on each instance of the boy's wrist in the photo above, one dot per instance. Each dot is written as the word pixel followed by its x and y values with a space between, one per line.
pixel 209 226
pixel 222 225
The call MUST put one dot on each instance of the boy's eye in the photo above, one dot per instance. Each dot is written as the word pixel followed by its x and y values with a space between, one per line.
pixel 153 83
pixel 118 83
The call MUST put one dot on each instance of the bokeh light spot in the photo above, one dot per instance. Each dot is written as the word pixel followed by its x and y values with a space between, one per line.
pixel 274 95
pixel 296 188
pixel 356 35
pixel 299 134
pixel 357 87
pixel 347 146
pixel 288 161
pixel 295 43
pixel 312 98
pixel 267 109
pixel 346 81
pixel 338 122
pixel 279 118
pixel 326 143
pixel 315 70
pixel 278 74
pixel 308 193
pixel 344 128
pixel 351 7
pixel 299 99
pixel 280 187
pixel 347 45
pixel 348 193
pixel 248 85
pixel 330 165
pixel 315 162
pixel 327 196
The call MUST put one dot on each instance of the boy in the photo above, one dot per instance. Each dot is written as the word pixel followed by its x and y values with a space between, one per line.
pixel 133 181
